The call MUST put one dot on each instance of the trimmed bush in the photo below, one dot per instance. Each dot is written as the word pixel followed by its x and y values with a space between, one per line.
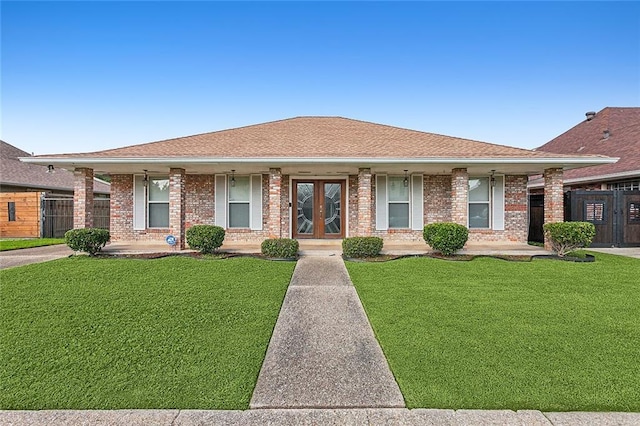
pixel 87 240
pixel 445 237
pixel 280 248
pixel 205 238
pixel 357 247
pixel 568 236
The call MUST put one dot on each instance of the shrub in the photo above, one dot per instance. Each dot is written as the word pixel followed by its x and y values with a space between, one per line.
pixel 88 240
pixel 205 238
pixel 568 236
pixel 445 237
pixel 362 246
pixel 280 248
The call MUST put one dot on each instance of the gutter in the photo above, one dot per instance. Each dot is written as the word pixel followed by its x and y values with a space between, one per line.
pixel 539 183
pixel 315 160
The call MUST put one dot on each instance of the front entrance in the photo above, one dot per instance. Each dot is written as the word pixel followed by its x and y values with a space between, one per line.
pixel 318 208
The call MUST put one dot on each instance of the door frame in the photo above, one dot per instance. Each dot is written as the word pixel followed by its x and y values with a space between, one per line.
pixel 319 206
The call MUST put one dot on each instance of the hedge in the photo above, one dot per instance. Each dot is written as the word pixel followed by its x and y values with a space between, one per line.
pixel 280 248
pixel 357 247
pixel 205 238
pixel 568 236
pixel 445 237
pixel 87 240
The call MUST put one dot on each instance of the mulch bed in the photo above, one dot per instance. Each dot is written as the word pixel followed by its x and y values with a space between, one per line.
pixel 381 258
pixel 469 257
pixel 193 255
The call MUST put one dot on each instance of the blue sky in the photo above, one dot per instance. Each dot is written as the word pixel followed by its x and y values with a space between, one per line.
pixel 84 76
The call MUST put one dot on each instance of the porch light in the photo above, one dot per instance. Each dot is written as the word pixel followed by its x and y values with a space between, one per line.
pixel 492 180
pixel 405 181
pixel 145 181
pixel 233 178
pixel 50 169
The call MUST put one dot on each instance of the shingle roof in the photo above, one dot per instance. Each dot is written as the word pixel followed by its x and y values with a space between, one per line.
pixel 316 137
pixel 588 137
pixel 13 172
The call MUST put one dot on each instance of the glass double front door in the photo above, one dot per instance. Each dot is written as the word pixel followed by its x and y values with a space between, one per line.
pixel 318 209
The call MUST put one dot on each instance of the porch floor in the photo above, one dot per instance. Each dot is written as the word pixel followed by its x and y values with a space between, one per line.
pixel 333 248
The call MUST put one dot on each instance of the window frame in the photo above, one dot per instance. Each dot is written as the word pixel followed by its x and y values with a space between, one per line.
pixel 229 202
pixel 11 211
pixel 154 202
pixel 488 203
pixel 408 202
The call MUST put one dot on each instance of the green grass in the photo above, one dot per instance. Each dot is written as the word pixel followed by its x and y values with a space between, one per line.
pixel 492 334
pixel 83 333
pixel 36 242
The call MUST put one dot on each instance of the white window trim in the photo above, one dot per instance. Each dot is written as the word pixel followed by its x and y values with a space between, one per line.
pixel 409 202
pixel 229 202
pixel 149 202
pixel 489 204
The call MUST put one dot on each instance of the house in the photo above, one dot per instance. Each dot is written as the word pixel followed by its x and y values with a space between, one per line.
pixel 29 193
pixel 608 195
pixel 317 177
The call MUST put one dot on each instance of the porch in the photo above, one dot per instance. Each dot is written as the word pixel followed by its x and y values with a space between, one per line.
pixel 334 248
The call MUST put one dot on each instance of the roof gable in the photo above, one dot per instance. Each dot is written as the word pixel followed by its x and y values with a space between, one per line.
pixel 614 132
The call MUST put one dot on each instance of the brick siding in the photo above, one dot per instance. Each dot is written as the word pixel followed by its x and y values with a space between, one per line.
pixel 459 196
pixel 365 203
pixel 553 198
pixel 199 200
pixel 177 206
pixel 83 198
pixel 199 208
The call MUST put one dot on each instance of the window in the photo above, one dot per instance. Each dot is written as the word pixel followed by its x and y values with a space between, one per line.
pixel 624 186
pixel 158 202
pixel 11 207
pixel 239 201
pixel 479 202
pixel 594 212
pixel 634 213
pixel 398 202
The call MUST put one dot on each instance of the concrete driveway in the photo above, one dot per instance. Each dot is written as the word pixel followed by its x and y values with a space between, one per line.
pixel 13 258
pixel 620 251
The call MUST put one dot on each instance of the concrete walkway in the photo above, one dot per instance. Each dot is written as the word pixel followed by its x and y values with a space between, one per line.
pixel 356 417
pixel 13 258
pixel 323 353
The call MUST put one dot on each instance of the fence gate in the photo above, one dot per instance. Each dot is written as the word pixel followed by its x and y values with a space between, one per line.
pixel 57 215
pixel 615 214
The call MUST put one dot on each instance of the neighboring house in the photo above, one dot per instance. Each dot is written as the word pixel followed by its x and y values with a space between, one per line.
pixel 318 177
pixel 609 194
pixel 28 193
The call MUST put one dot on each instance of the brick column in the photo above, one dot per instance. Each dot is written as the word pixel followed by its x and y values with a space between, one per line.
pixel 83 198
pixel 364 203
pixel 177 206
pixel 459 196
pixel 275 203
pixel 553 198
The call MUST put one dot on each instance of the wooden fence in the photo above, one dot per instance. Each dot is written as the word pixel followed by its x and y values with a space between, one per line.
pixel 34 215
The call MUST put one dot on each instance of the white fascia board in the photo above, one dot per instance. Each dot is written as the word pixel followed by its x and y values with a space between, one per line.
pixel 316 160
pixel 539 183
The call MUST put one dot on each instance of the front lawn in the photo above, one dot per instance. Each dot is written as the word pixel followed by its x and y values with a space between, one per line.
pixel 492 334
pixel 83 333
pixel 35 242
